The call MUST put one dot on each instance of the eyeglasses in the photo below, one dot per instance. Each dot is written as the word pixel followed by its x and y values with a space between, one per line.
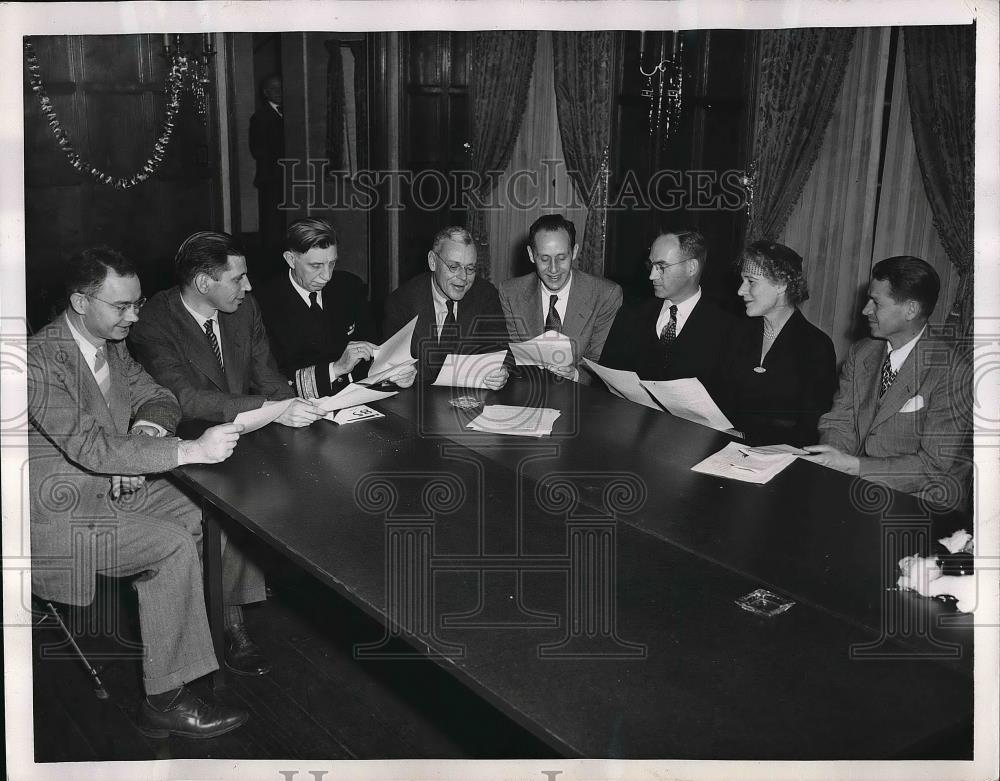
pixel 661 267
pixel 135 306
pixel 457 268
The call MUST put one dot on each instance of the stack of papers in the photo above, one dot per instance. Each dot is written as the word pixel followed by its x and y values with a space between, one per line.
pixel 549 349
pixel 747 464
pixel 394 353
pixel 469 371
pixel 517 421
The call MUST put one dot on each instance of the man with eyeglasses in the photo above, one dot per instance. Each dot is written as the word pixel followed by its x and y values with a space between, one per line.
pixel 679 332
pixel 99 425
pixel 458 312
pixel 557 297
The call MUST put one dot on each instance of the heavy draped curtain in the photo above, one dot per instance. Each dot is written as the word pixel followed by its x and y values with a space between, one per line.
pixel 801 72
pixel 940 76
pixel 582 74
pixel 502 63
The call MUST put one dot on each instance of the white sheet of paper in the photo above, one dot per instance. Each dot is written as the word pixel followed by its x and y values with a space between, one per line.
pixel 548 349
pixel 739 462
pixel 688 399
pixel 625 385
pixel 518 421
pixel 253 419
pixel 772 449
pixel 392 353
pixel 351 396
pixel 469 371
pixel 355 414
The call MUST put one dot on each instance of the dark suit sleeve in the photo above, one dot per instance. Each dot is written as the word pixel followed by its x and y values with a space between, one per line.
pixel 150 402
pixel 265 377
pixel 619 347
pixel 397 313
pixel 608 307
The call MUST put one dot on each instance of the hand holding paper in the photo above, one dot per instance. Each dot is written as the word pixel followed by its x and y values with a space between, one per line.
pixel 625 385
pixel 470 371
pixel 549 349
pixel 393 354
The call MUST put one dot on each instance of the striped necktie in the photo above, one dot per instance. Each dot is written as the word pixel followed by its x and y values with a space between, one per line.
pixel 102 374
pixel 214 342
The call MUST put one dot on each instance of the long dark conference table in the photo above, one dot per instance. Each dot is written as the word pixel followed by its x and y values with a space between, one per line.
pixel 585 583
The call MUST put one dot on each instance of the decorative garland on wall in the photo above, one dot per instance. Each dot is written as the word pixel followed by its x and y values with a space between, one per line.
pixel 173 86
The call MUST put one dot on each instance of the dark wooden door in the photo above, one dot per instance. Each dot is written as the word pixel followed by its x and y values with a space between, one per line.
pixel 434 126
pixel 108 93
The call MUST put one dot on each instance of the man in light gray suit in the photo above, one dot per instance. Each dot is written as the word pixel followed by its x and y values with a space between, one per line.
pixel 98 426
pixel 901 416
pixel 560 298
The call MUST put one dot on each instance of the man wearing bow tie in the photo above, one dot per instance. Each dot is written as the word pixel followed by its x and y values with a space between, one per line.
pixel 557 297
pixel 901 416
pixel 317 316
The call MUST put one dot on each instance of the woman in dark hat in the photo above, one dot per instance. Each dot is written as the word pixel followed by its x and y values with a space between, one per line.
pixel 782 371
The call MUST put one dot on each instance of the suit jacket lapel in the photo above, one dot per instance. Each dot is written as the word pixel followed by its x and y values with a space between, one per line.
pixel 195 343
pixel 68 355
pixel 119 403
pixel 866 382
pixel 581 301
pixel 232 339
pixel 533 317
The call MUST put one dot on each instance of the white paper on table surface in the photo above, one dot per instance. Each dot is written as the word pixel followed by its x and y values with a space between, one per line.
pixel 253 419
pixel 624 384
pixel 549 349
pixel 688 399
pixel 469 371
pixel 355 414
pixel 351 396
pixel 739 462
pixel 392 353
pixel 519 421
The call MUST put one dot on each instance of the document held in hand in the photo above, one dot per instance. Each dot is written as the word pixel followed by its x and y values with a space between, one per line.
pixel 253 419
pixel 549 349
pixel 688 399
pixel 469 371
pixel 625 385
pixel 392 354
pixel 739 462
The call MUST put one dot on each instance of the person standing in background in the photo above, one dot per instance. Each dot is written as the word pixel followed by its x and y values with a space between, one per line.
pixel 267 145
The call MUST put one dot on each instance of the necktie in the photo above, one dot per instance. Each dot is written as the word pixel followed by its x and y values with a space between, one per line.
pixel 214 342
pixel 888 375
pixel 102 374
pixel 669 332
pixel 449 328
pixel 314 303
pixel 552 320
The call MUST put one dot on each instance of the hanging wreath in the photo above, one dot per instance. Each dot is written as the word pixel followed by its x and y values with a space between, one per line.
pixel 177 75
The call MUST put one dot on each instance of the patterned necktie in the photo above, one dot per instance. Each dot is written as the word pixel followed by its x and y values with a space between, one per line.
pixel 552 320
pixel 102 374
pixel 314 303
pixel 214 342
pixel 888 375
pixel 669 332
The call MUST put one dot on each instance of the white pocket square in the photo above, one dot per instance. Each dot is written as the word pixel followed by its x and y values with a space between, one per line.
pixel 912 405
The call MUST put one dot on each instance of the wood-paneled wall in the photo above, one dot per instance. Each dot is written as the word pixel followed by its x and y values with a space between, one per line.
pixel 108 92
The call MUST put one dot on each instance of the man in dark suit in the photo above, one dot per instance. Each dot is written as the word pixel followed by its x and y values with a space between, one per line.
pixel 558 297
pixel 100 425
pixel 205 341
pixel 457 311
pixel 267 145
pixel 317 317
pixel 679 332
pixel 901 416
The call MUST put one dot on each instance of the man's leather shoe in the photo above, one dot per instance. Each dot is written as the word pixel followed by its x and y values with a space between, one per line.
pixel 189 716
pixel 243 656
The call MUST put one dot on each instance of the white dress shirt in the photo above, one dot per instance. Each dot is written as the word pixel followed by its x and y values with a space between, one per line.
pixel 303 293
pixel 683 312
pixel 897 356
pixel 561 302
